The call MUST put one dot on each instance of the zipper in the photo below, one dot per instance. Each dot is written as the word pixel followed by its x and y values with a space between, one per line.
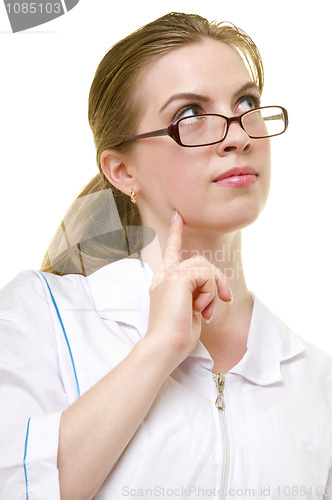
pixel 220 404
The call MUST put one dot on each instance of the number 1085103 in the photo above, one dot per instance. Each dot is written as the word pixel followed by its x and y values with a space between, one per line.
pixel 33 8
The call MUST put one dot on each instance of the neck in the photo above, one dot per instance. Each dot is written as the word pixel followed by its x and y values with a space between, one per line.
pixel 225 337
pixel 224 251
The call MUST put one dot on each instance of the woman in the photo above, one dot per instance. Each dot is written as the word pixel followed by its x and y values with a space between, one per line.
pixel 113 369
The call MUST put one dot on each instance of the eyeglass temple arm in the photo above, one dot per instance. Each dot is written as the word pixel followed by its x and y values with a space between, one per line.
pixel 274 117
pixel 156 133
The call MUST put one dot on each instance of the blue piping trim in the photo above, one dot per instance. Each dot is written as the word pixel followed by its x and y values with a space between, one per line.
pixel 24 458
pixel 65 335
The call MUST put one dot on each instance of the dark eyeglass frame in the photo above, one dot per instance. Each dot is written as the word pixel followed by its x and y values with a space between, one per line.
pixel 173 130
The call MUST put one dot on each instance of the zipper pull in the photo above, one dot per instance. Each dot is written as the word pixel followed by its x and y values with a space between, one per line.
pixel 220 382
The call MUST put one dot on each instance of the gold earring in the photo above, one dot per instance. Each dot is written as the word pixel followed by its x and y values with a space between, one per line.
pixel 133 196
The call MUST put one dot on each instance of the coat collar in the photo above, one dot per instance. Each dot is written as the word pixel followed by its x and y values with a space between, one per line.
pixel 120 292
pixel 270 342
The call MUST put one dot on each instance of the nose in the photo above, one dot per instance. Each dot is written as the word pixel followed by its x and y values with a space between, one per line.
pixel 236 141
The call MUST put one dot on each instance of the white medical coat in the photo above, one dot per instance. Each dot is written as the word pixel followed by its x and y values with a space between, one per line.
pixel 60 335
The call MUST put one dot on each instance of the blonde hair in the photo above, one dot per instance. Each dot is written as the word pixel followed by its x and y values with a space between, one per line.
pixel 94 231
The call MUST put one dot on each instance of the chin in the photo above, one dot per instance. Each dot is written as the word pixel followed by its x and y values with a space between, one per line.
pixel 242 215
pixel 226 219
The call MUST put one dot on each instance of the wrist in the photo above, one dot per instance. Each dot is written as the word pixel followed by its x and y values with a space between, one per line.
pixel 160 359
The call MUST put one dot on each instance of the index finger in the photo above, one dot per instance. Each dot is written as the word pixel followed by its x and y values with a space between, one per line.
pixel 172 252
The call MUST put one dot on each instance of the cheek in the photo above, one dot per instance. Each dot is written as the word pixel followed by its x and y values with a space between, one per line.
pixel 263 155
pixel 167 166
pixel 266 160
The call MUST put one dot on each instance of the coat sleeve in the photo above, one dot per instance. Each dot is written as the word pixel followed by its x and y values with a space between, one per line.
pixel 32 395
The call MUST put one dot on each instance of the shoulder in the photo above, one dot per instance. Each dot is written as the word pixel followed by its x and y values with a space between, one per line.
pixel 27 333
pixel 25 293
pixel 313 370
pixel 316 354
pixel 319 361
pixel 30 296
pixel 318 371
pixel 26 301
pixel 274 344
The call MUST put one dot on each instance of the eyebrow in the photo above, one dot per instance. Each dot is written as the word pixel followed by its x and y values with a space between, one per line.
pixel 247 86
pixel 185 95
pixel 202 98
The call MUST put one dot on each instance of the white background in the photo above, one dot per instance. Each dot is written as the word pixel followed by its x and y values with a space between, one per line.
pixel 47 152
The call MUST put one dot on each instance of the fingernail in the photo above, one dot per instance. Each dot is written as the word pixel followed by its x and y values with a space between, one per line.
pixel 210 318
pixel 231 301
pixel 174 216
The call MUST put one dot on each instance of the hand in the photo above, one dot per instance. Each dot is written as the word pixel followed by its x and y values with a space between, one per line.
pixel 181 294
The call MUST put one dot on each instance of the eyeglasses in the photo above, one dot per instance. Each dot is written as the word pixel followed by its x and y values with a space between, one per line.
pixel 208 129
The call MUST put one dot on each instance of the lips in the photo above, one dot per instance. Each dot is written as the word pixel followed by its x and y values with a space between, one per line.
pixel 240 177
pixel 236 172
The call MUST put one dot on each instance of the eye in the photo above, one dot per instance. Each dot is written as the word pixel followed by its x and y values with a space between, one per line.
pixel 190 110
pixel 248 103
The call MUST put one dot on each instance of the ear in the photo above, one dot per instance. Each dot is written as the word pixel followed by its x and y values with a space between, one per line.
pixel 116 168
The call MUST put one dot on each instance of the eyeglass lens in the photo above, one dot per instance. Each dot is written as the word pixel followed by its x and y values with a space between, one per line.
pixel 260 123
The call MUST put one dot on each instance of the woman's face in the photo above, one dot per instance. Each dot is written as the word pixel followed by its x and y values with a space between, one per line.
pixel 204 77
